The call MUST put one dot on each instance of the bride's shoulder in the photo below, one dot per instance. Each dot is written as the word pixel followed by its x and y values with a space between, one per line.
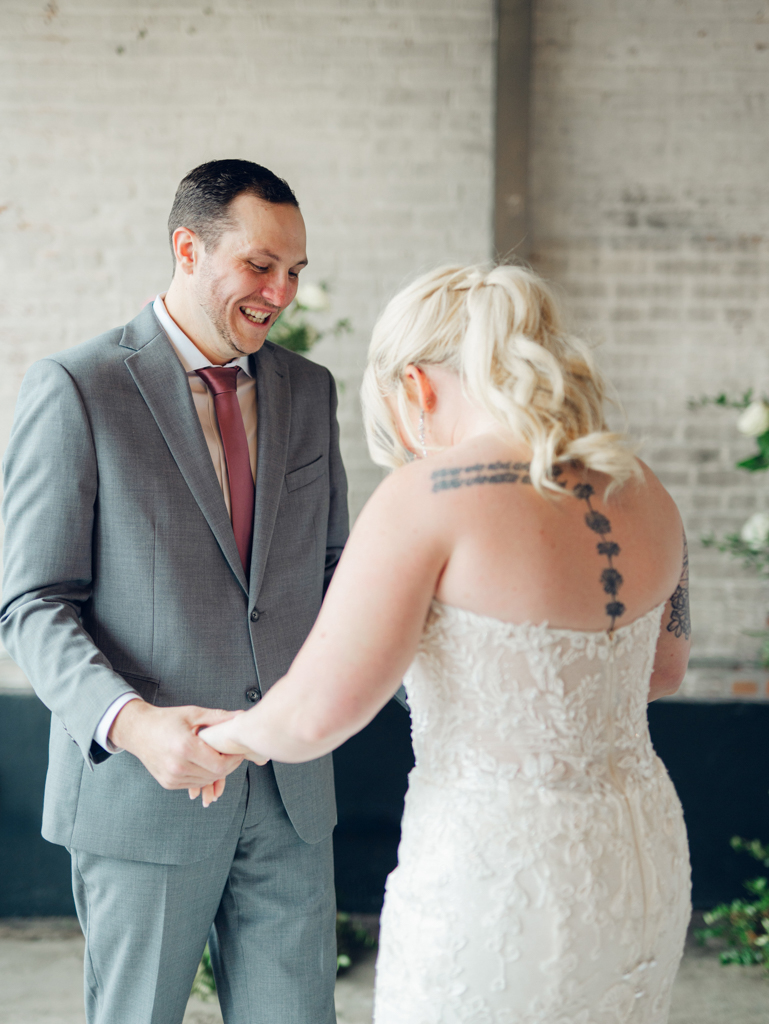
pixel 449 479
pixel 406 484
pixel 400 514
pixel 648 495
pixel 441 471
pixel 405 493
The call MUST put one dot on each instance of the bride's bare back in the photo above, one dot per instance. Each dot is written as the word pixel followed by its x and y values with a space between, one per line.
pixel 518 556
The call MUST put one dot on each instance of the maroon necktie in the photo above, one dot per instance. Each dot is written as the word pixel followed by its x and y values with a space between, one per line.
pixel 222 383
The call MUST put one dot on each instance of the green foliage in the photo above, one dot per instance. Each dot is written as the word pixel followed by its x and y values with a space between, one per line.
pixel 760 460
pixel 351 941
pixel 743 925
pixel 755 463
pixel 751 545
pixel 752 558
pixel 761 634
pixel 753 847
pixel 722 400
pixel 293 330
pixel 204 985
pixel 295 336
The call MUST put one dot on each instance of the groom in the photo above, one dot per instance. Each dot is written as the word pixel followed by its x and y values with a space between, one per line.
pixel 175 505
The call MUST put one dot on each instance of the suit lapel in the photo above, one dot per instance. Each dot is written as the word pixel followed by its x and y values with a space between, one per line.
pixel 163 385
pixel 273 395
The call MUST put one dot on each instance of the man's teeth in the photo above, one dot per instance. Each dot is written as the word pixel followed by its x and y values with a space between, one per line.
pixel 254 315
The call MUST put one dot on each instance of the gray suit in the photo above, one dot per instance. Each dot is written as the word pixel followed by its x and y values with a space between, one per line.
pixel 122 574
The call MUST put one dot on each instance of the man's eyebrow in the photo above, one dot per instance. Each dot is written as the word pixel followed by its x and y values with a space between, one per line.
pixel 272 256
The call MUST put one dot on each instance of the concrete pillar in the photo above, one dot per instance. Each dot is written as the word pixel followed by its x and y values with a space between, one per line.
pixel 511 222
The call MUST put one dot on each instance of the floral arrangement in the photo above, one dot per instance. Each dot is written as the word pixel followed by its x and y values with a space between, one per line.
pixel 294 331
pixel 751 544
pixel 352 941
pixel 743 924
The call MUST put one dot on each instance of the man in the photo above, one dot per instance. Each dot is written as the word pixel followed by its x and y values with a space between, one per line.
pixel 175 506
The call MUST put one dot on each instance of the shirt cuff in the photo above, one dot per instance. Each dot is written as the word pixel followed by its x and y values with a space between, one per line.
pixel 102 729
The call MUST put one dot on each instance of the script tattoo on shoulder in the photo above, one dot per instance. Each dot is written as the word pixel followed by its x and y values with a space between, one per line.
pixel 481 473
pixel 680 621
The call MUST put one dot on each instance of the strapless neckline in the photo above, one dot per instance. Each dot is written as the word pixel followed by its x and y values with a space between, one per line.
pixel 545 627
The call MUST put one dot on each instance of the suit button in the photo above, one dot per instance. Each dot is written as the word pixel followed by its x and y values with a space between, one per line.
pixel 253 694
pixel 254 615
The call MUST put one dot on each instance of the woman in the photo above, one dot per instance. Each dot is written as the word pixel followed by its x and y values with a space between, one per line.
pixel 522 562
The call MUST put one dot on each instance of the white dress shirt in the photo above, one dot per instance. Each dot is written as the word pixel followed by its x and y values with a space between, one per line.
pixel 192 359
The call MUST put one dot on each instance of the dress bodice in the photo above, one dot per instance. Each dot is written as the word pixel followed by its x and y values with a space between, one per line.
pixel 542 871
pixel 494 702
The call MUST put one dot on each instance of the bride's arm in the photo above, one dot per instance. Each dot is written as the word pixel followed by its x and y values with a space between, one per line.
pixel 364 638
pixel 672 655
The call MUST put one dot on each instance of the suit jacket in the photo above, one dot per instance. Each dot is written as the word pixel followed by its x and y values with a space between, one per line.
pixel 122 574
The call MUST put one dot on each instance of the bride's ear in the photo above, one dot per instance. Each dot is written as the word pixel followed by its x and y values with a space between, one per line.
pixel 420 387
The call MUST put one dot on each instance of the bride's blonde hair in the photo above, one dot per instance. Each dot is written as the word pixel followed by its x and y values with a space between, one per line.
pixel 501 331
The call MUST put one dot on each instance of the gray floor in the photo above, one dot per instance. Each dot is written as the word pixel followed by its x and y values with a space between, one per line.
pixel 41 963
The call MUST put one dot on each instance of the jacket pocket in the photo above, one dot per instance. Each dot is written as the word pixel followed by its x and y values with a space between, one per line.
pixel 146 688
pixel 305 474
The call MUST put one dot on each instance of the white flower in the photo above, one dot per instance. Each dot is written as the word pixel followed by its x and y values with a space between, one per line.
pixel 755 532
pixel 755 420
pixel 312 296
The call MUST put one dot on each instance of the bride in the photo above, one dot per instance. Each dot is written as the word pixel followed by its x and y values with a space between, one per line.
pixel 518 568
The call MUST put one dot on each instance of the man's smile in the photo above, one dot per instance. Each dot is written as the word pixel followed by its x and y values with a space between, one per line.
pixel 256 316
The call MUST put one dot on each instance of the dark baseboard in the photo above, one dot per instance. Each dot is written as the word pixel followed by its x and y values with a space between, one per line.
pixel 715 754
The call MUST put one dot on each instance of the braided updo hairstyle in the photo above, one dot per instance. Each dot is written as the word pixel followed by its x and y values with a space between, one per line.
pixel 499 328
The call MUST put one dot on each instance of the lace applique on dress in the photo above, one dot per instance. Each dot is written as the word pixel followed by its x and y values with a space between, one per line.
pixel 543 872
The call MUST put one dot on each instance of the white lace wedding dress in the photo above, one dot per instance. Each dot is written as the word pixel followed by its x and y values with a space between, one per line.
pixel 543 873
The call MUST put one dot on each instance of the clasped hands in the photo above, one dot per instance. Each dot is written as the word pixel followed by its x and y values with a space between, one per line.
pixel 188 748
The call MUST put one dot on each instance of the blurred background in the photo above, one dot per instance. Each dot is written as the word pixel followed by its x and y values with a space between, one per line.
pixel 620 146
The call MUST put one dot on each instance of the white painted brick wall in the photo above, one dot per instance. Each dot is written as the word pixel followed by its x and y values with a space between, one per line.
pixel 649 191
pixel 650 197
pixel 378 112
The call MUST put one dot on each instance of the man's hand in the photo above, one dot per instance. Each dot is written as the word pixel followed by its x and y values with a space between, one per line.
pixel 166 742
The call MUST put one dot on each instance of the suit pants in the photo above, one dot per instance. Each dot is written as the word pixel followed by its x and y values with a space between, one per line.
pixel 266 898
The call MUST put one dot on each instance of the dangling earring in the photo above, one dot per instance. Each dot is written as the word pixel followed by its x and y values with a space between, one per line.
pixel 422 433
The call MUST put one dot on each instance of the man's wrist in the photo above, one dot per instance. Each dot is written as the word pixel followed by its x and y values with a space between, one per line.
pixel 101 736
pixel 122 728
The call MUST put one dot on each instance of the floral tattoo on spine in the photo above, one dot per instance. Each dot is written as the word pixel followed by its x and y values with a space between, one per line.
pixel 680 621
pixel 611 579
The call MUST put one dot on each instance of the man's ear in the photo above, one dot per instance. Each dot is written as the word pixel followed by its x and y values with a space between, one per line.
pixel 186 249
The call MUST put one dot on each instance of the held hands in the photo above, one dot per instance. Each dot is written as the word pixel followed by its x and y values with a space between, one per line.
pixel 224 737
pixel 166 741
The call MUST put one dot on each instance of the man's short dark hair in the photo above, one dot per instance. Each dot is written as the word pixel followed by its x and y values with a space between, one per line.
pixel 204 195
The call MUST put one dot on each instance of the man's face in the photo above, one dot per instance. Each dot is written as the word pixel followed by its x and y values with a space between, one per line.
pixel 251 275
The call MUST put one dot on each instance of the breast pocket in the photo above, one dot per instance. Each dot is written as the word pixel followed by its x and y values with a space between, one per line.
pixel 306 474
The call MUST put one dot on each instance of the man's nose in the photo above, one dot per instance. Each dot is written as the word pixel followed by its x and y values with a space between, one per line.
pixel 277 289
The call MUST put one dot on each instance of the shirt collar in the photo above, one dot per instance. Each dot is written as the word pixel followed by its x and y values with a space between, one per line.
pixel 189 354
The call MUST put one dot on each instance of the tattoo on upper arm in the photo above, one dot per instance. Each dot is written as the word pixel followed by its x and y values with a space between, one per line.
pixel 518 472
pixel 680 621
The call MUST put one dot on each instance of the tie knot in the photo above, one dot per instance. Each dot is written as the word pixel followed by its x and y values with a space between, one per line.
pixel 219 379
